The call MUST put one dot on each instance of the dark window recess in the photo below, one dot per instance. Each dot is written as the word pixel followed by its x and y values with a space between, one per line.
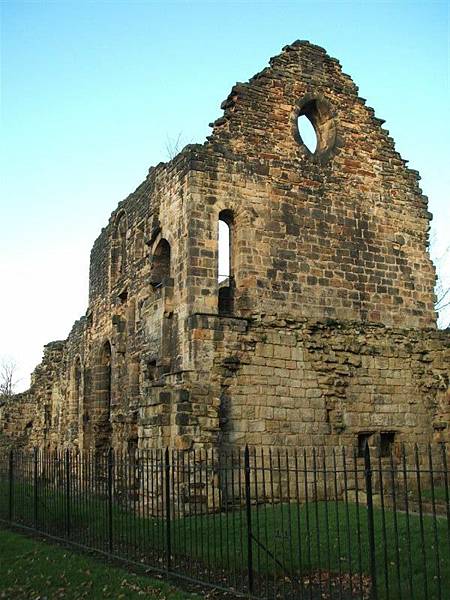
pixel 363 442
pixel 226 297
pixel 160 264
pixel 132 445
pixel 151 371
pixel 123 296
pixel 387 439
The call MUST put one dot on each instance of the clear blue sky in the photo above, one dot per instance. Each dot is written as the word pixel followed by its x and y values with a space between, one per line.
pixel 92 91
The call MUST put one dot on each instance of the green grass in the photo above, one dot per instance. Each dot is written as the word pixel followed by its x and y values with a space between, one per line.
pixel 439 494
pixel 31 568
pixel 331 544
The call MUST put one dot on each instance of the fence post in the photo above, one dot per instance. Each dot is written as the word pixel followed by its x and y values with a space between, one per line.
pixel 370 521
pixel 167 494
pixel 67 465
pixel 11 484
pixel 110 498
pixel 248 510
pixel 447 499
pixel 35 482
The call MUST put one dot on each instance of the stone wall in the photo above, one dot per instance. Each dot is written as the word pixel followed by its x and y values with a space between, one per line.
pixel 322 331
pixel 290 383
pixel 341 233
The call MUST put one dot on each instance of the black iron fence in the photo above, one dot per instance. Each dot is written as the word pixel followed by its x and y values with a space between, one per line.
pixel 304 523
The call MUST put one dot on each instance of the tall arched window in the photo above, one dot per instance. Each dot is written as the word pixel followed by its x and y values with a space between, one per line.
pixel 76 391
pixel 104 384
pixel 119 247
pixel 160 272
pixel 225 275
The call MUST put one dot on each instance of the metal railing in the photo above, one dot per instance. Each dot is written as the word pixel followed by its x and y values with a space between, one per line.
pixel 294 523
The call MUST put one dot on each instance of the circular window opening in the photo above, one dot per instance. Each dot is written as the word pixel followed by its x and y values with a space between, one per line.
pixel 316 129
pixel 307 133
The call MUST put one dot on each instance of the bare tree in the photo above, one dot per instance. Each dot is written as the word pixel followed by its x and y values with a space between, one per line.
pixel 173 145
pixel 8 381
pixel 442 296
pixel 442 289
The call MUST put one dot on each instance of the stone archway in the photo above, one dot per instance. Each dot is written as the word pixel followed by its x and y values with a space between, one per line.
pixel 76 398
pixel 97 426
pixel 102 399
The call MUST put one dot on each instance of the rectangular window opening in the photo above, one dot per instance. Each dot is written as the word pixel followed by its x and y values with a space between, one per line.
pixel 363 441
pixel 123 296
pixel 387 439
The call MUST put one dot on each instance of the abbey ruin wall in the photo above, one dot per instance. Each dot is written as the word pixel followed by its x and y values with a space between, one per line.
pixel 321 331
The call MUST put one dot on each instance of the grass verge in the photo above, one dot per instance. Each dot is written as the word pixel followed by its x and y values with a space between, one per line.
pixel 412 556
pixel 31 568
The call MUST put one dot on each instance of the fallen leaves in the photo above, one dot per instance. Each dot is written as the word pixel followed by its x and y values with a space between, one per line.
pixel 36 570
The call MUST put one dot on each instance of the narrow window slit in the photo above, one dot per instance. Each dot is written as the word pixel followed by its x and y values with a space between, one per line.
pixel 225 263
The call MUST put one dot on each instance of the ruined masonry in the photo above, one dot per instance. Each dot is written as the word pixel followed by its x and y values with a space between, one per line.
pixel 321 327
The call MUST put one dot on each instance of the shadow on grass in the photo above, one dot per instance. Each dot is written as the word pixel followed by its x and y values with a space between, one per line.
pixel 317 541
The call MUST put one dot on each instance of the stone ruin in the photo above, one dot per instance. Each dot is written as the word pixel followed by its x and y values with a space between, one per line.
pixel 320 329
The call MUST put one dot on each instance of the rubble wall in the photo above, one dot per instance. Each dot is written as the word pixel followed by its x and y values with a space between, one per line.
pixel 314 383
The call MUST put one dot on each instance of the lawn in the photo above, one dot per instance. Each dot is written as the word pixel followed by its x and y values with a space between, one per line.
pixel 440 494
pixel 31 568
pixel 290 542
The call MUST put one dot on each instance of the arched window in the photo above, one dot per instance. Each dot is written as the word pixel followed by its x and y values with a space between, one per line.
pixel 119 247
pixel 160 271
pixel 139 242
pixel 76 390
pixel 225 275
pixel 104 384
